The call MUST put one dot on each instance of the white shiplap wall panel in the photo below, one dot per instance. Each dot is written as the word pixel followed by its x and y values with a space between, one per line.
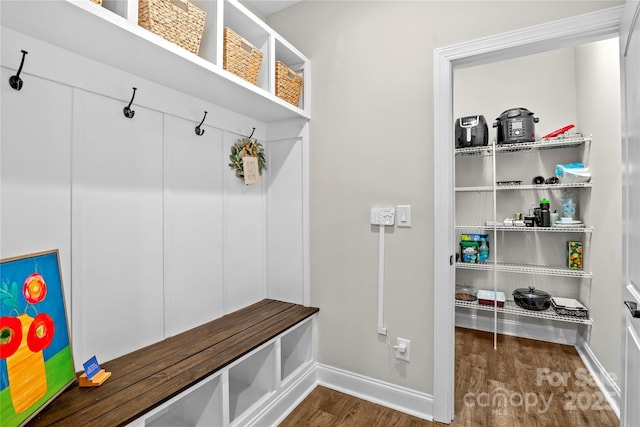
pixel 116 228
pixel 286 252
pixel 243 231
pixel 35 196
pixel 193 168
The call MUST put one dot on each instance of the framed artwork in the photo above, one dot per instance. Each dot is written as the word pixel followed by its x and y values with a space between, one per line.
pixel 36 361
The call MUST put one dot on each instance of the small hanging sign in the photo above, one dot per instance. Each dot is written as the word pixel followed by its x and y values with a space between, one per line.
pixel 248 160
pixel 251 170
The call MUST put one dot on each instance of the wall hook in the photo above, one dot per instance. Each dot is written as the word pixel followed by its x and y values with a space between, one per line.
pixel 128 112
pixel 254 129
pixel 199 130
pixel 15 81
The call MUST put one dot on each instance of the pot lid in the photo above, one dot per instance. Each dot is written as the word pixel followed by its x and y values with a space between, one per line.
pixel 530 292
pixel 514 112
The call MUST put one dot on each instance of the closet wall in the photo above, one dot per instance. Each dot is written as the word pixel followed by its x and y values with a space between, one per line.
pixel 156 234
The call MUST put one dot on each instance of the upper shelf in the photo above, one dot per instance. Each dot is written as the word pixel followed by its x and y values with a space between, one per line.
pixel 506 267
pixel 485 188
pixel 110 35
pixel 543 144
pixel 553 229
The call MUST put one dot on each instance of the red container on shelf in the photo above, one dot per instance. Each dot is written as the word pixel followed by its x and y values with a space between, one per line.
pixel 491 298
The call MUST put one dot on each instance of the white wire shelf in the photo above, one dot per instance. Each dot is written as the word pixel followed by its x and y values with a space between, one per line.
pixel 511 307
pixel 546 270
pixel 543 144
pixel 585 230
pixel 485 188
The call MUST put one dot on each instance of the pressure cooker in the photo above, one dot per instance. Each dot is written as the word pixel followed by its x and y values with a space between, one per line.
pixel 516 125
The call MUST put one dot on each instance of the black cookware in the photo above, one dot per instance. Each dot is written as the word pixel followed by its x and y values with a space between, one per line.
pixel 516 125
pixel 532 299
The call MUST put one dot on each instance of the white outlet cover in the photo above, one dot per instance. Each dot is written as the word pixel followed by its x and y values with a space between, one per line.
pixel 406 356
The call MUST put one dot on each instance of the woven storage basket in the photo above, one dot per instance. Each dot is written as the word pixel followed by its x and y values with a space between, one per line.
pixel 241 57
pixel 288 84
pixel 178 21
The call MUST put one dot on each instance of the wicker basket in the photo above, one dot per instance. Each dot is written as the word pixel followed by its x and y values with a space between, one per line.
pixel 178 21
pixel 288 84
pixel 241 57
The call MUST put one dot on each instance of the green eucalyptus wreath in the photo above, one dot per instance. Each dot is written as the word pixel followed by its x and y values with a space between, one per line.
pixel 246 147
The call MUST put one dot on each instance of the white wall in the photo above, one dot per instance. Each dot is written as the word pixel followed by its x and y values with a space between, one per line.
pixel 372 133
pixel 598 109
pixel 156 233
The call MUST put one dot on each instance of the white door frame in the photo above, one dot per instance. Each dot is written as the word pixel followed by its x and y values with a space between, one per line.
pixel 559 34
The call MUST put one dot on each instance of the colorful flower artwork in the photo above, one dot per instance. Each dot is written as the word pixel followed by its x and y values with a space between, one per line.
pixel 36 362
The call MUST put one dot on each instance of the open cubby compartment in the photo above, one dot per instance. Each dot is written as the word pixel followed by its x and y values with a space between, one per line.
pixel 246 24
pixel 210 44
pixel 201 405
pixel 296 348
pixel 251 379
pixel 292 58
pixel 124 9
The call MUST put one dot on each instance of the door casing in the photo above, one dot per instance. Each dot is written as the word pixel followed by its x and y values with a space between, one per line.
pixel 564 33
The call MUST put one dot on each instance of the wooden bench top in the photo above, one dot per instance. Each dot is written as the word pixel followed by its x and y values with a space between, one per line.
pixel 142 380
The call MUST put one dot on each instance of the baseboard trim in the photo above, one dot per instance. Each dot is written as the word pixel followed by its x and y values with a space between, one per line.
pixel 607 384
pixel 386 394
pixel 533 328
pixel 383 393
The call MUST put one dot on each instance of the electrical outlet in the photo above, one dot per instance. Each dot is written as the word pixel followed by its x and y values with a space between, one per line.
pixel 403 349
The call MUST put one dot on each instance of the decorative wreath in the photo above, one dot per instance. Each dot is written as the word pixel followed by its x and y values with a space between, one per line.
pixel 246 147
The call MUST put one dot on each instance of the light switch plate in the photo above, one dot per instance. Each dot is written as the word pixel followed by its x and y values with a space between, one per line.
pixel 403 216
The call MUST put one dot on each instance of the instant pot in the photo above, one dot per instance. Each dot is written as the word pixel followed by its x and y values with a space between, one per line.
pixel 471 131
pixel 516 125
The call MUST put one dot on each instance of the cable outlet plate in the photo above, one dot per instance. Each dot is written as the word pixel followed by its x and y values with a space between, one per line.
pixel 406 355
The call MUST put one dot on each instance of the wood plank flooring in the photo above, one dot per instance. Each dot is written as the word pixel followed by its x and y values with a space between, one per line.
pixel 522 383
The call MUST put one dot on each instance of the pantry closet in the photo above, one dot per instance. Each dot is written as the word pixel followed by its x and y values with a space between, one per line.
pixel 574 85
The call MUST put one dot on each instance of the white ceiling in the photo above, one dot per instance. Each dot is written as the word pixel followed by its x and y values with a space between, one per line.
pixel 267 7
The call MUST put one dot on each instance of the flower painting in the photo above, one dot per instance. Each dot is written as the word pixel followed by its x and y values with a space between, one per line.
pixel 36 362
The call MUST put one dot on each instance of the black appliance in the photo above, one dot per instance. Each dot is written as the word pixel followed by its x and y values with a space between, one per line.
pixel 471 131
pixel 516 125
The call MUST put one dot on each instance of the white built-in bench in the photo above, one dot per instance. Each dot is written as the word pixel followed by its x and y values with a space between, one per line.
pixel 213 375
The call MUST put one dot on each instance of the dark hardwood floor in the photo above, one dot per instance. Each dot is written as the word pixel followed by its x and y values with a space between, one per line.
pixel 522 383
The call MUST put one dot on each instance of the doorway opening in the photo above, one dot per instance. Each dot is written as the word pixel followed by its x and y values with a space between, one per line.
pixel 562 34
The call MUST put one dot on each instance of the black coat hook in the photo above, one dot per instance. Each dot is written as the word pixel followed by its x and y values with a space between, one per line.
pixel 15 81
pixel 254 129
pixel 199 130
pixel 128 112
